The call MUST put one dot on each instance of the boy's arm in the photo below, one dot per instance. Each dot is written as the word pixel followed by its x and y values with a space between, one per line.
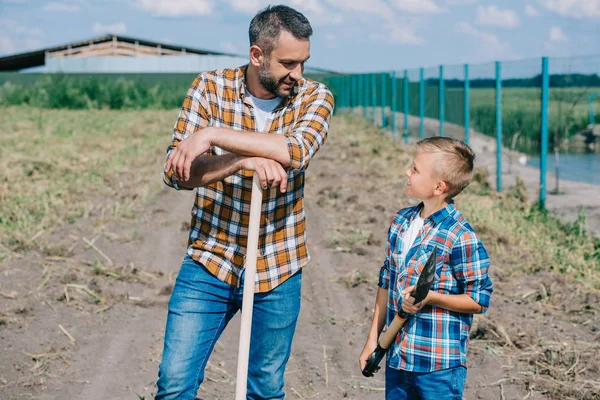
pixel 379 312
pixel 376 327
pixel 470 264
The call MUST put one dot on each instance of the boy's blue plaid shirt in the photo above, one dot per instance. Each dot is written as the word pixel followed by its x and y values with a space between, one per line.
pixel 434 338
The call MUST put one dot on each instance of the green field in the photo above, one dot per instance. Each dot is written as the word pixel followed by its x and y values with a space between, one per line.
pixel 568 113
pixel 521 107
pixel 56 164
pixel 59 166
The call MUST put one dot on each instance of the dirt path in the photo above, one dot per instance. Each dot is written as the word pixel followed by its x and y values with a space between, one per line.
pixel 567 204
pixel 118 339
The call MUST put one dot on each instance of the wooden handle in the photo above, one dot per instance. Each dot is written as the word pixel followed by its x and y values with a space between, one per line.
pixel 248 296
pixel 391 332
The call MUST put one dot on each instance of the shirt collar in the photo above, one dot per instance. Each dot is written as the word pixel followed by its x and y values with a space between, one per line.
pixel 438 216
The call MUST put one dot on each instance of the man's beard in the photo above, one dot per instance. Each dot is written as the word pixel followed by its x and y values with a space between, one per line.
pixel 269 83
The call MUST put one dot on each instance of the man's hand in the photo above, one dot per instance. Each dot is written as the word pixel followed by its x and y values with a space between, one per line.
pixel 407 303
pixel 369 348
pixel 186 152
pixel 270 172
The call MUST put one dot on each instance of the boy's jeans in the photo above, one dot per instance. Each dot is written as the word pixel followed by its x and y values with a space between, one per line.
pixel 200 308
pixel 446 384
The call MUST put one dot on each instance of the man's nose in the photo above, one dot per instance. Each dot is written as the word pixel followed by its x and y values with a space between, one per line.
pixel 296 73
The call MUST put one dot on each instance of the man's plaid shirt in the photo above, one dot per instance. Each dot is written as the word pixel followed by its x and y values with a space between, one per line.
pixel 220 215
pixel 434 338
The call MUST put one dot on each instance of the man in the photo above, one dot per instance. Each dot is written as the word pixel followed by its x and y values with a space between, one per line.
pixel 263 118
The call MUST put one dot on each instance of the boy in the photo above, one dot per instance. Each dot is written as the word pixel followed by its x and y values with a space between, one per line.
pixel 428 358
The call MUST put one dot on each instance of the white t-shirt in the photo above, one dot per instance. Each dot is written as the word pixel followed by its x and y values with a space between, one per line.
pixel 263 108
pixel 411 234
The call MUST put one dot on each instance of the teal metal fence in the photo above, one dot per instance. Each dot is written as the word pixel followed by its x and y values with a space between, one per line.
pixel 534 112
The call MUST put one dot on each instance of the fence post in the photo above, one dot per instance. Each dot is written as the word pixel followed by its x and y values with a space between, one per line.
pixel 442 100
pixel 498 127
pixel 422 103
pixel 406 108
pixel 383 99
pixel 366 96
pixel 374 97
pixel 544 133
pixel 361 99
pixel 467 109
pixel 393 107
pixel 592 120
pixel 355 96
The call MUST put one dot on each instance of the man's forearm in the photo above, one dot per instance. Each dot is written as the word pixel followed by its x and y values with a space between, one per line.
pixel 206 170
pixel 455 302
pixel 252 144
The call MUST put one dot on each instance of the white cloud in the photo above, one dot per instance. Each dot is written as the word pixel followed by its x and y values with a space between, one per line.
pixel 118 28
pixel 491 46
pixel 573 8
pixel 180 8
pixel 61 7
pixel 229 47
pixel 6 45
pixel 462 2
pixel 313 6
pixel 403 34
pixel 247 6
pixel 330 41
pixel 33 44
pixel 531 11
pixel 557 35
pixel 377 7
pixel 494 16
pixel 12 26
pixel 417 6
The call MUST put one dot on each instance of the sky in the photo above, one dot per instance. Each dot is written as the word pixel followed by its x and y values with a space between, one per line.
pixel 349 35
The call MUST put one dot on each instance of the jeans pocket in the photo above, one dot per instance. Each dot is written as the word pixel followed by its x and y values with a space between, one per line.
pixel 459 377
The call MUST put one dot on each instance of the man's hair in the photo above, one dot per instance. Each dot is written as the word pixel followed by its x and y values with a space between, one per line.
pixel 455 162
pixel 266 26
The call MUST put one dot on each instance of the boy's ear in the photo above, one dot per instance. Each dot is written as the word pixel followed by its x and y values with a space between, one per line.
pixel 441 188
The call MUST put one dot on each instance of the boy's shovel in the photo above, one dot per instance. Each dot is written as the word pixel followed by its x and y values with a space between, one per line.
pixel 420 293
pixel 248 296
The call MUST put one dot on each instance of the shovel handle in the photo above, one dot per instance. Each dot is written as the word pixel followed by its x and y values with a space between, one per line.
pixel 248 295
pixel 384 343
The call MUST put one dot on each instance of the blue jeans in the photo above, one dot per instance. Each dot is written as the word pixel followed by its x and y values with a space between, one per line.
pixel 446 384
pixel 200 307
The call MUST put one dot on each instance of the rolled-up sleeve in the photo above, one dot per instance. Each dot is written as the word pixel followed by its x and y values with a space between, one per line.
pixel 470 263
pixel 384 272
pixel 194 115
pixel 310 131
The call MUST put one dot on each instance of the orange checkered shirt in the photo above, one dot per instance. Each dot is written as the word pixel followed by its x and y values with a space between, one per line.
pixel 221 211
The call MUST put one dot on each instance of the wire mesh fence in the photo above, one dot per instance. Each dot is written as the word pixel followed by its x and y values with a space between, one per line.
pixel 541 113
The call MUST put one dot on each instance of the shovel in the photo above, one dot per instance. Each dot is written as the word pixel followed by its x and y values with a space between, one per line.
pixel 248 295
pixel 420 293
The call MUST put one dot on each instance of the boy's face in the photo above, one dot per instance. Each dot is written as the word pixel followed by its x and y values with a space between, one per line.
pixel 422 180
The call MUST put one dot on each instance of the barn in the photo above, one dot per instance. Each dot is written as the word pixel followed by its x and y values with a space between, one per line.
pixel 121 54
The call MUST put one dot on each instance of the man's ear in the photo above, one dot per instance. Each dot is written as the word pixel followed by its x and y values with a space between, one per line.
pixel 441 188
pixel 256 56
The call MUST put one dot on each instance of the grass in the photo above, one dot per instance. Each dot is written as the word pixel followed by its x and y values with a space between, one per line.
pixel 521 238
pixel 61 165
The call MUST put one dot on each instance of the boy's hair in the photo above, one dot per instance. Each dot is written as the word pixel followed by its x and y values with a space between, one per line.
pixel 267 25
pixel 455 166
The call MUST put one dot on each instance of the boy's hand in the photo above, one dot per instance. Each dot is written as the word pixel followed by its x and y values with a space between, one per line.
pixel 369 348
pixel 408 305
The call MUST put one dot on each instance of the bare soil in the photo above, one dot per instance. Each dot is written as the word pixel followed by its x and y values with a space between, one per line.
pixel 86 322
